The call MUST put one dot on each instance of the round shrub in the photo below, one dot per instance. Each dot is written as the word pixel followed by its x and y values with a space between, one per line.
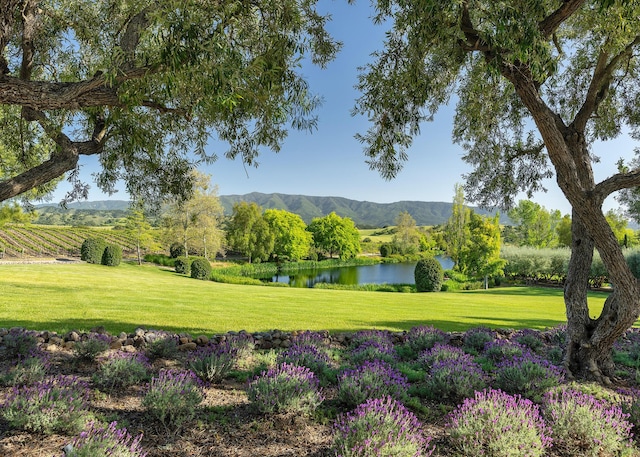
pixel 441 352
pixel 305 355
pixel 386 250
pixel 429 275
pixel 212 362
pixel 111 441
pixel 476 338
pixel 92 249
pixel 177 250
pixel 19 343
pixel 285 388
pixel 373 350
pixel 496 424
pixel 422 337
pixel 27 370
pixel 455 379
pixel 200 269
pixel 528 375
pixel 122 370
pixel 183 265
pixel 582 425
pixel 112 255
pixel 380 427
pixel 88 349
pixel 374 379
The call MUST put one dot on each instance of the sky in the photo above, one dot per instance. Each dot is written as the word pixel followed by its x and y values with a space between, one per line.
pixel 331 162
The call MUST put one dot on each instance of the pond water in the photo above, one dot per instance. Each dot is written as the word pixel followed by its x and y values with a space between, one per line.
pixel 383 273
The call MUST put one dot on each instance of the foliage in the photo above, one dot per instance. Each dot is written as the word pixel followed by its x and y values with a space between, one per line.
pixel 456 230
pixel 583 425
pixel 528 375
pixel 373 350
pixel 534 225
pixel 160 259
pixel 19 343
pixel 429 275
pixel 333 234
pixel 496 424
pixel 305 354
pixel 112 255
pixel 44 407
pixel 138 228
pixel 92 250
pixel 454 379
pixel 372 379
pixel 442 352
pixel 248 233
pixel 89 348
pixel 172 398
pixel 480 256
pixel 28 370
pixel 406 239
pixel 111 441
pixel 182 265
pixel 286 388
pixel 14 214
pixel 122 370
pixel 164 345
pixel 177 250
pixel 499 350
pixel 212 362
pixel 476 338
pixel 292 241
pixel 421 338
pixel 200 268
pixel 380 427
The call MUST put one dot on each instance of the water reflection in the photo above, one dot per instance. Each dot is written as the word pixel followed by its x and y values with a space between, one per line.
pixel 389 273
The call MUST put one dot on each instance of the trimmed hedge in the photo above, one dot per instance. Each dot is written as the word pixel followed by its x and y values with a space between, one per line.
pixel 112 255
pixel 428 275
pixel 183 265
pixel 92 249
pixel 200 268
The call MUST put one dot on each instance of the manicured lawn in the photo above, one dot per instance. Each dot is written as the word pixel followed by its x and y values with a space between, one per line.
pixel 79 296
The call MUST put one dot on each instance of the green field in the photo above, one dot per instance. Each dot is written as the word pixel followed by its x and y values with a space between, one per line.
pixel 79 296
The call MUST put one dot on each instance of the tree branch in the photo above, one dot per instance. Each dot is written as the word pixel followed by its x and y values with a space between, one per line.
pixel 550 24
pixel 617 182
pixel 473 41
pixel 29 28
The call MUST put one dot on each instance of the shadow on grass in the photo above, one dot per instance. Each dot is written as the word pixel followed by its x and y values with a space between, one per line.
pixel 455 326
pixel 529 291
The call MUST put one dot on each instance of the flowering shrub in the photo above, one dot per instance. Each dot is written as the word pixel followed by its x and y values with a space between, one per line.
pixel 441 352
pixel 500 350
pixel 372 379
pixel 243 344
pixel 19 343
pixel 630 404
pixel 309 338
pixel 105 442
pixel 305 355
pixel 58 404
pixel 373 350
pixel 27 371
pixel 582 425
pixel 379 427
pixel 455 379
pixel 424 337
pixel 122 370
pixel 285 388
pixel 528 375
pixel 529 338
pixel 164 346
pixel 496 424
pixel 212 362
pixel 88 349
pixel 476 338
pixel 172 397
pixel 382 337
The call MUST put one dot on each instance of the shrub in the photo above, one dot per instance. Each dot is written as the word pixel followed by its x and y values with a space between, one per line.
pixel 380 427
pixel 243 344
pixel 212 362
pixel 305 355
pixel 56 405
pixel 496 424
pixel 309 338
pixel 582 425
pixel 183 265
pixel 177 250
pixel 375 379
pixel 476 338
pixel 163 346
pixel 19 343
pixel 373 350
pixel 528 375
pixel 105 442
pixel 386 250
pixel 112 255
pixel 455 379
pixel 27 371
pixel 424 337
pixel 200 268
pixel 92 249
pixel 441 352
pixel 122 370
pixel 172 398
pixel 88 349
pixel 529 338
pixel 500 350
pixel 286 388
pixel 429 275
pixel 366 336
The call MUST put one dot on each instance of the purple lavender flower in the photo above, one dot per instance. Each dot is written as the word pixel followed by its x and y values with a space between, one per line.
pixel 305 355
pixel 455 378
pixel 494 423
pixel 500 350
pixel 372 379
pixel 121 370
pixel 212 362
pixel 373 350
pixel 529 338
pixel 382 337
pixel 424 337
pixel 440 352
pixel 528 375
pixel 110 441
pixel 475 339
pixel 309 338
pixel 380 427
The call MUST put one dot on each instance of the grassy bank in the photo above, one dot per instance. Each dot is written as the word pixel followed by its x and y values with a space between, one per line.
pixel 61 297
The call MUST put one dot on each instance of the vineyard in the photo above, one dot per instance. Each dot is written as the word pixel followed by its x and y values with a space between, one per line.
pixel 23 241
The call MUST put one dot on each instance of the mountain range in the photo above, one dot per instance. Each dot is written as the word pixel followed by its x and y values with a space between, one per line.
pixel 365 214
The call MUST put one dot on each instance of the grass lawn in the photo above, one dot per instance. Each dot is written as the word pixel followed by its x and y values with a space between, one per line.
pixel 63 297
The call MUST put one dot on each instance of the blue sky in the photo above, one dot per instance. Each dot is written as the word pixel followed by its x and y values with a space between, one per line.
pixel 331 162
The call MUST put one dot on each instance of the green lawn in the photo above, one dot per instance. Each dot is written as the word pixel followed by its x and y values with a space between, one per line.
pixel 80 296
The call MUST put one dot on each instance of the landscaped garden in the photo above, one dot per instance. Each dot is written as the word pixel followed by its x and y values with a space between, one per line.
pixel 197 368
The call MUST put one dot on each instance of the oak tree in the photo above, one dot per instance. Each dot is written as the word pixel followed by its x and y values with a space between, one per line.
pixel 537 83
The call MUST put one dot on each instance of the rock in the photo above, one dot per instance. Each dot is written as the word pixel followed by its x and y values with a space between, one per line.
pixel 99 329
pixel 187 347
pixel 185 340
pixel 128 342
pixel 128 348
pixel 56 340
pixel 117 344
pixel 285 344
pixel 138 341
pixel 277 342
pixel 69 345
pixel 202 340
pixel 72 336
pixel 51 348
pixel 122 336
pixel 139 332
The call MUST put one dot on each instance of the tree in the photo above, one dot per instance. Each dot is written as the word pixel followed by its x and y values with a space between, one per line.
pixel 139 229
pixel 407 236
pixel 535 225
pixel 14 213
pixel 291 238
pixel 456 230
pixel 143 84
pixel 563 231
pixel 248 233
pixel 619 223
pixel 538 83
pixel 480 256
pixel 333 234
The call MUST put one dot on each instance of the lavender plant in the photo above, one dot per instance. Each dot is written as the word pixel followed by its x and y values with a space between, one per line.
pixel 27 371
pixel 19 343
pixel 122 370
pixel 373 350
pixel 528 375
pixel 87 350
pixel 243 344
pixel 372 379
pixel 285 388
pixel 582 425
pixel 455 379
pixel 382 337
pixel 494 423
pixel 163 346
pixel 305 355
pixel 423 337
pixel 111 441
pixel 529 338
pixel 172 398
pixel 380 427
pixel 475 339
pixel 440 352
pixel 59 404
pixel 630 404
pixel 212 362
pixel 500 350
pixel 309 338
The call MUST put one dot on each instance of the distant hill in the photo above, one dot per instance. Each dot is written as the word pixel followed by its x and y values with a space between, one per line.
pixel 103 205
pixel 363 213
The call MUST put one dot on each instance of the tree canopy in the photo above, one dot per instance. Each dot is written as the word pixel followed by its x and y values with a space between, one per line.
pixel 143 84
pixel 537 82
pixel 333 234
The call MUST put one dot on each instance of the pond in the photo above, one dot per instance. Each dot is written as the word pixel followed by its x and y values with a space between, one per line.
pixel 382 273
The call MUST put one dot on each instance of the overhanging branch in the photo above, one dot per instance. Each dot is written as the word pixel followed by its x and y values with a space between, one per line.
pixel 551 23
pixel 617 182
